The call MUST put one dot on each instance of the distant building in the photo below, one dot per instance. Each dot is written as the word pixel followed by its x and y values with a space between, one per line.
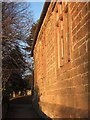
pixel 61 51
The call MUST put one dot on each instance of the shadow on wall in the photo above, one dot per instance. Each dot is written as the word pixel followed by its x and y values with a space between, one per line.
pixel 64 112
pixel 71 113
pixel 36 99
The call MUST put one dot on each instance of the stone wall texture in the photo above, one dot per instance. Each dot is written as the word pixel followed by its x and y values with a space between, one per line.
pixel 62 60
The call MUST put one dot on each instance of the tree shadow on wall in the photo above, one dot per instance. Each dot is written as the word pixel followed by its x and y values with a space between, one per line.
pixel 36 99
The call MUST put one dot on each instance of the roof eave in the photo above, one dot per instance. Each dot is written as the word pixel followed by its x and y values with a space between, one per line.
pixel 45 8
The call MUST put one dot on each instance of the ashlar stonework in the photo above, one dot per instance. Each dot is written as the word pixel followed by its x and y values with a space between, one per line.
pixel 62 59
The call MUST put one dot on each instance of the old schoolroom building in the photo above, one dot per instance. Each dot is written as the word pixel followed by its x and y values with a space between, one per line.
pixel 61 52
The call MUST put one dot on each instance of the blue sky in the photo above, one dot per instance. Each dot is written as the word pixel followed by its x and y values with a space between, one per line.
pixel 36 7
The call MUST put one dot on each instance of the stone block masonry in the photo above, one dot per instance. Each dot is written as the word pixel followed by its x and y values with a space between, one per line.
pixel 62 60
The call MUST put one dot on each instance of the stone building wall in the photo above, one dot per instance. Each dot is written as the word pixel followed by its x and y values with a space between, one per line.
pixel 61 55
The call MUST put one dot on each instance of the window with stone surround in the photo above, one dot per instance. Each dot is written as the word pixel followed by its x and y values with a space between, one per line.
pixel 62 43
pixel 63 33
pixel 61 39
pixel 67 32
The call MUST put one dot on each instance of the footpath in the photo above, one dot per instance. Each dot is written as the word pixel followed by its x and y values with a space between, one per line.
pixel 21 108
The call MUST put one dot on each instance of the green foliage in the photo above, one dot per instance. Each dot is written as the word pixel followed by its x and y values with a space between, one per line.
pixel 16 83
pixel 32 34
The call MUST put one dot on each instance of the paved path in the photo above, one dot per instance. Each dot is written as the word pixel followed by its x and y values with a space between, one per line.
pixel 22 108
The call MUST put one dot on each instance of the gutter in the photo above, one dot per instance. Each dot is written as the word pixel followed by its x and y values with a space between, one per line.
pixel 45 8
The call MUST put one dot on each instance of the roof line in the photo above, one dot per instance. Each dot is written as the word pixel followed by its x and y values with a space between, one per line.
pixel 46 5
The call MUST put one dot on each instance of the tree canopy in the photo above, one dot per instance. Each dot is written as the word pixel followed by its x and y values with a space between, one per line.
pixel 17 25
